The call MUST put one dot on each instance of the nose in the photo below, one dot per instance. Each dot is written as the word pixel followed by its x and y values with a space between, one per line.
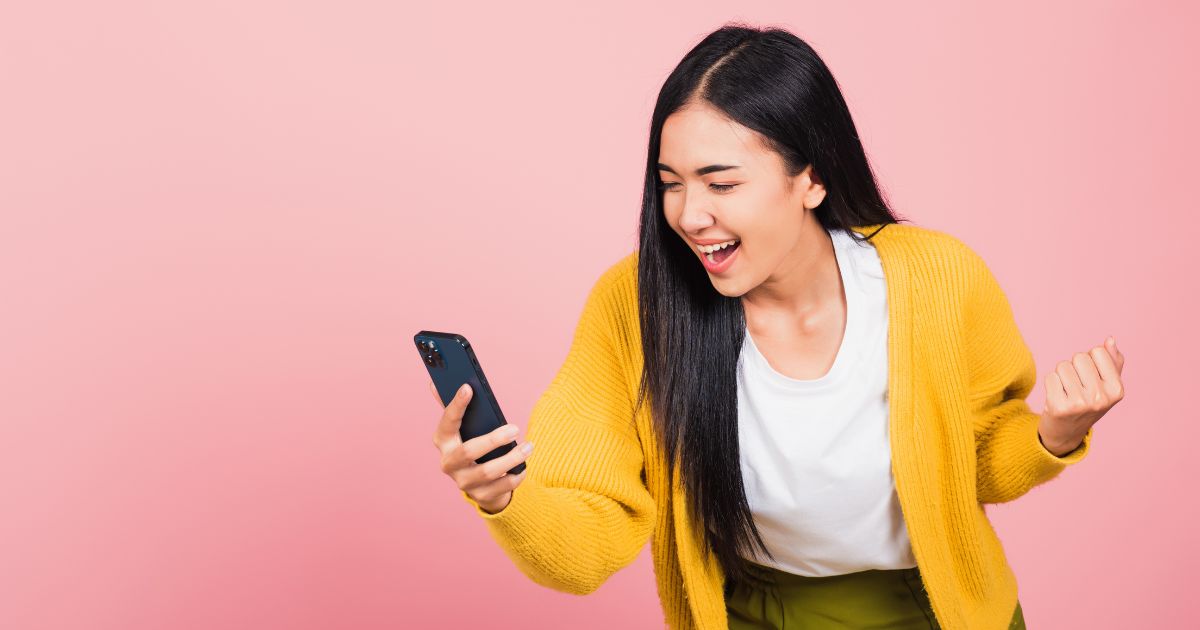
pixel 695 216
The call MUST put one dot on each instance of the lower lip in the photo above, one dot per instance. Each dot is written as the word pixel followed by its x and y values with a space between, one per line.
pixel 722 266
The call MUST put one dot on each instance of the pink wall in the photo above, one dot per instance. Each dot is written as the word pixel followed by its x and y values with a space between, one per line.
pixel 220 226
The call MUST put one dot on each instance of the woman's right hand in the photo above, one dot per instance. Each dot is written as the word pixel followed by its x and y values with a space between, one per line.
pixel 489 483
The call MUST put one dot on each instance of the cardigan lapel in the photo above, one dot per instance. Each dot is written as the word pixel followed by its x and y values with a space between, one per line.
pixel 904 427
pixel 895 258
pixel 897 272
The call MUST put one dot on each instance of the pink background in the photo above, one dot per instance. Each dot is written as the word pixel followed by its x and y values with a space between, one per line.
pixel 222 224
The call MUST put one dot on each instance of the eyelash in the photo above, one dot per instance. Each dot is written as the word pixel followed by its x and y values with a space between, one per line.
pixel 717 187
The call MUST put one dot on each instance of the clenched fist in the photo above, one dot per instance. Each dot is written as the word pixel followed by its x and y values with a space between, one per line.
pixel 1078 393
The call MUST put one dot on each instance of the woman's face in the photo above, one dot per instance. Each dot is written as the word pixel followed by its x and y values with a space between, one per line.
pixel 719 183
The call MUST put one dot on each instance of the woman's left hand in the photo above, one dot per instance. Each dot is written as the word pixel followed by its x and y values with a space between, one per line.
pixel 1078 393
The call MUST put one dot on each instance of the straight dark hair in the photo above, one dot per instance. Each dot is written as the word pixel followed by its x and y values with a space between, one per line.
pixel 774 83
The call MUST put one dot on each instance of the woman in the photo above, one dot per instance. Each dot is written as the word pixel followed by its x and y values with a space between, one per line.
pixel 806 401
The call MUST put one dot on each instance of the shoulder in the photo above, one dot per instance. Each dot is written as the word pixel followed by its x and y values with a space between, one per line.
pixel 623 271
pixel 613 295
pixel 617 283
pixel 933 251
pixel 939 265
pixel 916 239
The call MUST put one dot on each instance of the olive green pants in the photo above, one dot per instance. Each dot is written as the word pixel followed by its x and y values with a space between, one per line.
pixel 893 599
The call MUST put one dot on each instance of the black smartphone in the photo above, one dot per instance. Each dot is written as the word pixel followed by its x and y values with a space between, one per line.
pixel 451 362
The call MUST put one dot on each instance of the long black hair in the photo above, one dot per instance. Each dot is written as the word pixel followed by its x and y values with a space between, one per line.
pixel 774 83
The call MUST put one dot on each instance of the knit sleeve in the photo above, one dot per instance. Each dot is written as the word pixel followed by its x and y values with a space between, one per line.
pixel 583 511
pixel 1010 458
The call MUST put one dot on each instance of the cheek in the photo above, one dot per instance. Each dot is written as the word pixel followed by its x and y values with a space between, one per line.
pixel 669 213
pixel 673 223
pixel 769 230
pixel 672 218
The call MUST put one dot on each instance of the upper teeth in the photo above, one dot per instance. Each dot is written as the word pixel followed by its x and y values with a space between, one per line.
pixel 708 249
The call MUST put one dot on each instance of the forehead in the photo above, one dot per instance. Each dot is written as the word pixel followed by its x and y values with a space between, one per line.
pixel 695 134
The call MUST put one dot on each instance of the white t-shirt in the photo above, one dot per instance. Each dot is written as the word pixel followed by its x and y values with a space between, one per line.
pixel 815 456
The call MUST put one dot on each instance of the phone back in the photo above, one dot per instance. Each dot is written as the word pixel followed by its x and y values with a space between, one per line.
pixel 451 362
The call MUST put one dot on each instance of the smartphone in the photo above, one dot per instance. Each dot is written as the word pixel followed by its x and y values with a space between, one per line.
pixel 451 362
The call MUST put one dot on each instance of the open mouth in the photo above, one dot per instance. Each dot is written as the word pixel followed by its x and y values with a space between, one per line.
pixel 716 254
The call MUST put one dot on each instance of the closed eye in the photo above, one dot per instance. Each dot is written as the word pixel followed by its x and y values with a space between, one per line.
pixel 664 186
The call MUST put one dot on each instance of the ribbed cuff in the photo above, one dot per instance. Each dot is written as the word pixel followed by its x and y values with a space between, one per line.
pixel 1078 453
pixel 519 514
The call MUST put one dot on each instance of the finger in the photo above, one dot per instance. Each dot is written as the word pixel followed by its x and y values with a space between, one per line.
pixel 465 456
pixel 493 490
pixel 1089 378
pixel 477 447
pixel 1070 380
pixel 1118 359
pixel 1110 378
pixel 1055 393
pixel 495 469
pixel 447 435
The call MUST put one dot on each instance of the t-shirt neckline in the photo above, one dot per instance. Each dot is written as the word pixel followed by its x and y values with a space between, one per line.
pixel 847 349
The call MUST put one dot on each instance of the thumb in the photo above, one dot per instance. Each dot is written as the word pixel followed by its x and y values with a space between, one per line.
pixel 1118 358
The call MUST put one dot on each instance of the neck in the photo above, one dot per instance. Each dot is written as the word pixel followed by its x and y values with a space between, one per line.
pixel 805 282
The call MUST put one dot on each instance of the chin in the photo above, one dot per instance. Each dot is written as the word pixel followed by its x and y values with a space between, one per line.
pixel 727 287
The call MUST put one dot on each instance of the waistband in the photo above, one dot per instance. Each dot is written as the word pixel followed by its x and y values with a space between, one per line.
pixel 866 577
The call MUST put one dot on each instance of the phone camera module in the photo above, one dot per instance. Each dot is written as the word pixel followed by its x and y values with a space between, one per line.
pixel 430 353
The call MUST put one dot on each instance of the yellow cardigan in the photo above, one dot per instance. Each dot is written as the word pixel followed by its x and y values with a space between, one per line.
pixel 961 436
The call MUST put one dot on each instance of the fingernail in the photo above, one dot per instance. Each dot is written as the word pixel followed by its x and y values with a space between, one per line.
pixel 462 389
pixel 527 447
pixel 508 430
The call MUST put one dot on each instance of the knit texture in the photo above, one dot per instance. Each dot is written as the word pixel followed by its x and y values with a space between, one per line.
pixel 961 436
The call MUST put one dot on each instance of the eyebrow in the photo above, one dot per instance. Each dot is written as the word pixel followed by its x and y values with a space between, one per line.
pixel 704 170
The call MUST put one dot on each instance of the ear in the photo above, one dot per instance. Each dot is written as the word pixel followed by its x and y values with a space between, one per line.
pixel 812 187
